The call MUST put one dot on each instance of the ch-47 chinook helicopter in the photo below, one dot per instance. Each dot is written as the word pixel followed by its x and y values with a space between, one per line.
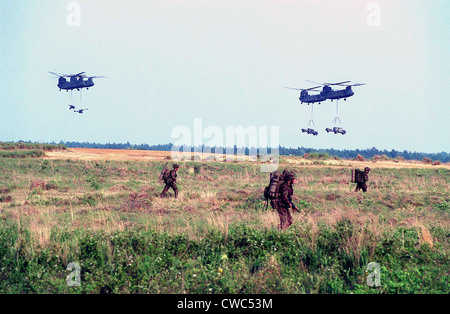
pixel 76 81
pixel 326 93
pixel 329 93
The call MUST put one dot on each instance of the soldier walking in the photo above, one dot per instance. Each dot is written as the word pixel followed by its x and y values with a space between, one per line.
pixel 361 185
pixel 171 181
pixel 284 202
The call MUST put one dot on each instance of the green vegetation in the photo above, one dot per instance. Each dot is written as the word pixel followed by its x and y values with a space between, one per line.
pixel 21 153
pixel 245 260
pixel 218 236
pixel 27 150
pixel 31 146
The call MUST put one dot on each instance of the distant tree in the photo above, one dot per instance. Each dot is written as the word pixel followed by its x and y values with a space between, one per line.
pixel 369 153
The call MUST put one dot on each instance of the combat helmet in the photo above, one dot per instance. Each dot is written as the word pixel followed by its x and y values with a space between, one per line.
pixel 289 175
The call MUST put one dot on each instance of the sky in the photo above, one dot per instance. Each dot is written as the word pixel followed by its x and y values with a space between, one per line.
pixel 171 63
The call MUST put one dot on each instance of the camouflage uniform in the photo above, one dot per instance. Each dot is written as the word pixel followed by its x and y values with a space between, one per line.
pixel 171 182
pixel 284 202
pixel 365 177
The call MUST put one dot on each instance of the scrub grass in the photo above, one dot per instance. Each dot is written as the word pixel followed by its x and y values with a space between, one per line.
pixel 218 236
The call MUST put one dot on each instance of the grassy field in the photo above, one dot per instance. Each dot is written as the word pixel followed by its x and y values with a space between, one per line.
pixel 218 237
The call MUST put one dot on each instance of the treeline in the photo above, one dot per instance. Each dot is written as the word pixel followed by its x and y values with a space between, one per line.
pixel 23 145
pixel 127 145
pixel 299 151
pixel 367 153
pixel 23 149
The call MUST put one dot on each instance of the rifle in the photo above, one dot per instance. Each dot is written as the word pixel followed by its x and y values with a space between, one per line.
pixel 294 208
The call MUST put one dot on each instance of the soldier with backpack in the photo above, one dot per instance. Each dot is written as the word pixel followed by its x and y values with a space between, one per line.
pixel 284 203
pixel 170 179
pixel 280 193
pixel 360 178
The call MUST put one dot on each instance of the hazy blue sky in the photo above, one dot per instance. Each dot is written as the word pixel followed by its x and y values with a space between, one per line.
pixel 225 61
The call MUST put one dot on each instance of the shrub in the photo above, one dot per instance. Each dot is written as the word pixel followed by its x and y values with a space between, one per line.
pixel 21 153
pixel 316 156
pixel 380 158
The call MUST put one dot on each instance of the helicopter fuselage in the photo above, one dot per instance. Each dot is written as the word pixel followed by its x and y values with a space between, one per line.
pixel 74 83
pixel 306 98
pixel 329 93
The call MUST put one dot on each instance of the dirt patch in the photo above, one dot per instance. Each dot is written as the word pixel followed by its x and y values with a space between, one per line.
pixel 371 164
pixel 150 155
pixel 108 154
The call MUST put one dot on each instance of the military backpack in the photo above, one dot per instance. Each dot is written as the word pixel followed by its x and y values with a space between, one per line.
pixel 271 191
pixel 357 176
pixel 164 173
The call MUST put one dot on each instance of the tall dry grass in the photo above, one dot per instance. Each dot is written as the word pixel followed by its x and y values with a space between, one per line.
pixel 109 196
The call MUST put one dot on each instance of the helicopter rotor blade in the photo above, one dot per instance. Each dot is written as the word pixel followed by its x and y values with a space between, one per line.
pixel 75 75
pixel 312 88
pixel 339 83
pixel 58 74
pixel 358 84
pixel 315 82
pixel 88 77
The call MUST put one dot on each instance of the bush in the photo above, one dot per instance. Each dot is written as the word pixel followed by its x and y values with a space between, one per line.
pixel 316 156
pixel 380 158
pixel 245 260
pixel 21 153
